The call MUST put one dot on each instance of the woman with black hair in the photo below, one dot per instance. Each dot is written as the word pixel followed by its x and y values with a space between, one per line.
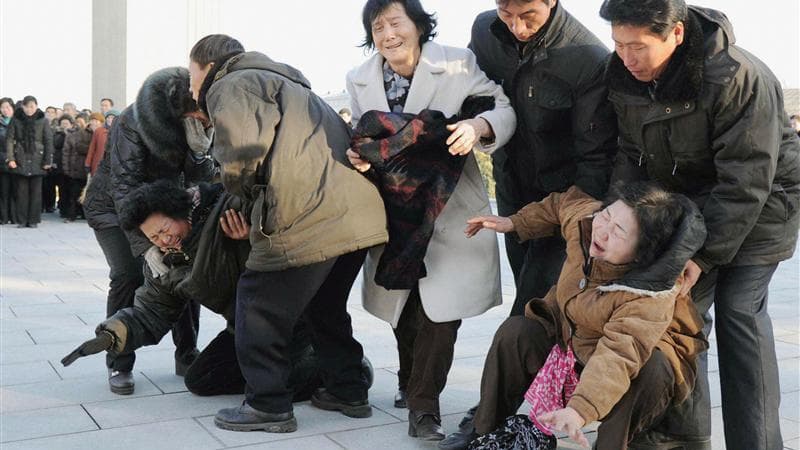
pixel 407 74
pixel 614 340
pixel 157 137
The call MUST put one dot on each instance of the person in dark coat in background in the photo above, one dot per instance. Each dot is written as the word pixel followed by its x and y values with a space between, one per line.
pixel 29 152
pixel 313 219
pixel 66 126
pixel 76 147
pixel 705 118
pixel 154 138
pixel 8 211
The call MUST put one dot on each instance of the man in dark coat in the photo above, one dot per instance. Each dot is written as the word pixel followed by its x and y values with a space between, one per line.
pixel 550 66
pixel 149 141
pixel 313 218
pixel 705 118
pixel 8 211
pixel 29 152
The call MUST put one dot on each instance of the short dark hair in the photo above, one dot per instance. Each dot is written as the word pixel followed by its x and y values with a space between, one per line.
pixel 108 100
pixel 213 48
pixel 66 117
pixel 49 108
pixel 162 196
pixel 425 23
pixel 7 100
pixel 660 16
pixel 28 99
pixel 504 3
pixel 657 211
pixel 82 115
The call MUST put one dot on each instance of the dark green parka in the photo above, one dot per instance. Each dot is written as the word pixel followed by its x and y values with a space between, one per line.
pixel 284 148
pixel 713 127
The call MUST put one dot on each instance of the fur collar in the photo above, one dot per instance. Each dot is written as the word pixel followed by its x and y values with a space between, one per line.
pixel 681 81
pixel 19 114
pixel 158 111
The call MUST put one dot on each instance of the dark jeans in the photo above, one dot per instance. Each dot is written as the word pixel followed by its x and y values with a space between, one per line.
pixel 216 370
pixel 125 277
pixel 269 305
pixel 29 199
pixel 748 366
pixel 537 263
pixel 426 355
pixel 74 186
pixel 520 348
pixel 8 202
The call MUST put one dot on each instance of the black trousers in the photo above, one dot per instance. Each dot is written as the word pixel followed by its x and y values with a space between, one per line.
pixel 216 370
pixel 29 199
pixel 520 348
pixel 125 273
pixel 8 202
pixel 72 191
pixel 537 263
pixel 49 183
pixel 426 355
pixel 748 366
pixel 268 307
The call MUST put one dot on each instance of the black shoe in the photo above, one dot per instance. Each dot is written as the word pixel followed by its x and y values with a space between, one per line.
pixel 32 225
pixel 182 363
pixel 466 433
pixel 425 426
pixel 323 399
pixel 121 383
pixel 247 418
pixel 655 440
pixel 400 399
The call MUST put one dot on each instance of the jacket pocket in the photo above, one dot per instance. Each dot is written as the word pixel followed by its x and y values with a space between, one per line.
pixel 549 106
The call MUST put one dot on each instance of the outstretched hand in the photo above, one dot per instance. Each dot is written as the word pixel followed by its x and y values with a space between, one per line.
pixel 566 420
pixel 496 223
pixel 103 341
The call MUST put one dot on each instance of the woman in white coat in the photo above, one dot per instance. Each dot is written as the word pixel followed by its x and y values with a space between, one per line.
pixel 407 74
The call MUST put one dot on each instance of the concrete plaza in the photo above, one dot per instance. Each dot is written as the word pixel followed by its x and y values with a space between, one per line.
pixel 53 283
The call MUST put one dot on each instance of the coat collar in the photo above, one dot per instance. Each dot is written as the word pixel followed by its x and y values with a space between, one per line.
pixel 681 81
pixel 432 62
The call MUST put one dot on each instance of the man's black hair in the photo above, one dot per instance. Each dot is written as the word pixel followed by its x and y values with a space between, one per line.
pixel 214 47
pixel 659 16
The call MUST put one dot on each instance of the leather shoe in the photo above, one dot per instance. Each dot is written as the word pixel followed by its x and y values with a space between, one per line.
pixel 656 440
pixel 121 383
pixel 247 418
pixel 425 426
pixel 400 399
pixel 323 399
pixel 466 433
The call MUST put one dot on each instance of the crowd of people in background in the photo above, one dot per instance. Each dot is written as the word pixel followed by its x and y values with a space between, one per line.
pixel 636 189
pixel 49 157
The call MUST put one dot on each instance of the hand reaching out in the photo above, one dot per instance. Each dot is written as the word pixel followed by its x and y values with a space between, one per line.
pixel 496 223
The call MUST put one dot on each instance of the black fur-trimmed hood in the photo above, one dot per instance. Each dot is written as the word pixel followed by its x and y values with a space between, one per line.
pixel 160 105
pixel 683 78
pixel 660 277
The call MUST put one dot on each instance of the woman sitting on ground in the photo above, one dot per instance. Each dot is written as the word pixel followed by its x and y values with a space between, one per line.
pixel 615 340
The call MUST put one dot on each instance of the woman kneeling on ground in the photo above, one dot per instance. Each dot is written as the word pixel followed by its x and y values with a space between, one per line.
pixel 615 340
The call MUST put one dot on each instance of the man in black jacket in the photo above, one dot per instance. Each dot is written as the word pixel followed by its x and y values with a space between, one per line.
pixel 705 118
pixel 550 66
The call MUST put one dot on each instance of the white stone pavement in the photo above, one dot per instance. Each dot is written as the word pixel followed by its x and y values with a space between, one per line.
pixel 53 284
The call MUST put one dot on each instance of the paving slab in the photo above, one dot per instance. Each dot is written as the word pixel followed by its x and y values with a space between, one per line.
pixel 18 426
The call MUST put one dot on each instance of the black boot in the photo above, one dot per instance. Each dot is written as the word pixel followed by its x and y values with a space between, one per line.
pixel 323 399
pixel 466 433
pixel 425 426
pixel 400 399
pixel 247 418
pixel 121 383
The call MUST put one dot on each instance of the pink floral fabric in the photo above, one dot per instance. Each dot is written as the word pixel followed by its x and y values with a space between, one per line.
pixel 553 385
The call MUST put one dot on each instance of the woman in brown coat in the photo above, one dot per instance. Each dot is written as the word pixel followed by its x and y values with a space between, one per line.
pixel 618 308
